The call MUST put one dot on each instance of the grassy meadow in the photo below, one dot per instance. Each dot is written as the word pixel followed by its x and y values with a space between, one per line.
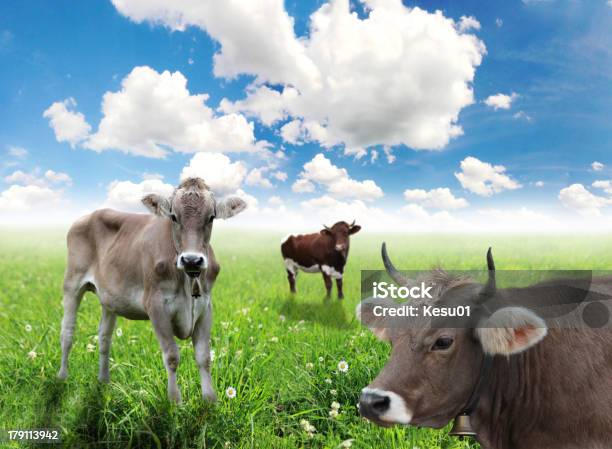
pixel 279 352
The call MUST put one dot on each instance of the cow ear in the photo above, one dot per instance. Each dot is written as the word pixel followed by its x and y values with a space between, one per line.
pixel 157 204
pixel 230 206
pixel 326 232
pixel 510 330
pixel 366 313
pixel 354 229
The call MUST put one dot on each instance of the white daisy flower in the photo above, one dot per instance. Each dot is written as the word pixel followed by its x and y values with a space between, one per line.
pixel 328 381
pixel 335 405
pixel 282 317
pixel 321 359
pixel 227 444
pixel 28 328
pixel 333 392
pixel 119 332
pixel 333 414
pixel 230 392
pixel 90 347
pixel 274 339
pixel 346 444
pixel 309 365
pixel 343 367
pixel 32 354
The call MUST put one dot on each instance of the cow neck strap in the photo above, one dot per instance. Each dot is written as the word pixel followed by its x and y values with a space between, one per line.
pixel 485 370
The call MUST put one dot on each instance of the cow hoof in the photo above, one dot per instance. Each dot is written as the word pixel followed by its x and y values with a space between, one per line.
pixel 175 397
pixel 62 374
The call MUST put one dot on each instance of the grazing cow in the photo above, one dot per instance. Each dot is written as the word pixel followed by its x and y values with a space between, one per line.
pixel 521 384
pixel 325 251
pixel 158 267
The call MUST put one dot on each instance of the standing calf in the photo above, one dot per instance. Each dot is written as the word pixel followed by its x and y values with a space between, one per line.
pixel 324 252
pixel 158 267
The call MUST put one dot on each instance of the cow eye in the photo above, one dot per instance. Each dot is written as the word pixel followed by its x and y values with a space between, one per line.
pixel 442 343
pixel 210 220
pixel 173 218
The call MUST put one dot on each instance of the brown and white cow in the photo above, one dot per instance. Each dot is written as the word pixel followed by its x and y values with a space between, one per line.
pixel 158 267
pixel 541 388
pixel 325 252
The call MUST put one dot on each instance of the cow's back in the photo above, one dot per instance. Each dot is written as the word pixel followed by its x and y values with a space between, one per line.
pixel 304 249
pixel 95 239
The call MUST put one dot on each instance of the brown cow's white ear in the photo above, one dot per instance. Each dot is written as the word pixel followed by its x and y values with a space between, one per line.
pixel 368 313
pixel 157 204
pixel 230 206
pixel 511 330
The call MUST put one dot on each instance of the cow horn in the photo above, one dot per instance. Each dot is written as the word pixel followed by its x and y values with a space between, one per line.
pixel 490 287
pixel 325 227
pixel 352 224
pixel 391 270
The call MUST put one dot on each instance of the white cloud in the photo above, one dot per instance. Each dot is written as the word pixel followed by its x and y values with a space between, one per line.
pixel 467 23
pixel 275 201
pixel 68 126
pixel 256 178
pixel 280 175
pixel 218 171
pixel 153 113
pixel 597 166
pixel 521 115
pixel 23 178
pixel 127 195
pixel 17 152
pixel 22 198
pixel 336 180
pixel 605 185
pixel 483 178
pixel 36 178
pixel 58 177
pixel 303 186
pixel 500 101
pixel 398 76
pixel 539 184
pixel 499 22
pixel 440 198
pixel 576 197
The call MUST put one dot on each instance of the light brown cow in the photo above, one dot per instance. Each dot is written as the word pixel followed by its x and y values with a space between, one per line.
pixel 158 267
pixel 524 386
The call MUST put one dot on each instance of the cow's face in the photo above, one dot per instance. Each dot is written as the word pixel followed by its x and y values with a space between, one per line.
pixel 192 208
pixel 432 371
pixel 340 233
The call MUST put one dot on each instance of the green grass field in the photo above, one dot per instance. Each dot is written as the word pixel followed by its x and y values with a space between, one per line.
pixel 280 353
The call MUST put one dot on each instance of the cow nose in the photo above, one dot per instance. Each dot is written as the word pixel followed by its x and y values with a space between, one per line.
pixel 372 404
pixel 192 260
pixel 340 247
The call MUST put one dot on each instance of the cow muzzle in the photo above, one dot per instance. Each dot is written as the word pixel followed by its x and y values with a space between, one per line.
pixel 192 263
pixel 383 407
pixel 340 247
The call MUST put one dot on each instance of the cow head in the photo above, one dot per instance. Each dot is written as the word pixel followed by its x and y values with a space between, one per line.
pixel 340 233
pixel 432 371
pixel 192 208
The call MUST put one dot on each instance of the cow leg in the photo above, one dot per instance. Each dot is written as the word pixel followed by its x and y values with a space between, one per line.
pixel 105 335
pixel 73 293
pixel 339 287
pixel 291 277
pixel 328 283
pixel 163 329
pixel 201 346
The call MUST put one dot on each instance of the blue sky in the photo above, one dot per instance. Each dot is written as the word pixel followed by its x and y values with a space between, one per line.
pixel 555 56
